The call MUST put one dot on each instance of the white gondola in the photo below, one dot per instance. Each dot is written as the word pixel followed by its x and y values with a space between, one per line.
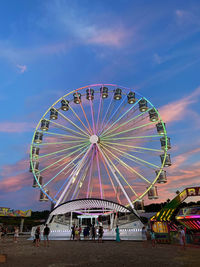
pixel 38 137
pixel 104 92
pixel 153 193
pixel 53 114
pixel 160 128
pixel 167 160
pixel 162 178
pixel 139 205
pixel 43 196
pixel 44 125
pixel 118 94
pixel 39 178
pixel 77 98
pixel 143 105
pixel 90 94
pixel 34 167
pixel 35 152
pixel 163 143
pixel 64 104
pixel 131 98
pixel 153 116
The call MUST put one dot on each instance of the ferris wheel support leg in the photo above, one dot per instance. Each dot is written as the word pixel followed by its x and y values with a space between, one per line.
pixel 70 181
pixel 116 178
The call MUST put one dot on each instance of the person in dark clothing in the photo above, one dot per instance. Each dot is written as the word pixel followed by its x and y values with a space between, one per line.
pixel 46 233
pixel 72 232
pixel 93 232
pixel 100 234
pixel 37 236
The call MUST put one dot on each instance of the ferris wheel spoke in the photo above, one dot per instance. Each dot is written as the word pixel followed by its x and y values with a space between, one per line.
pixel 111 101
pixel 58 143
pixel 63 158
pixel 99 111
pixel 115 167
pixel 136 147
pixel 122 116
pixel 65 135
pixel 127 166
pixel 125 123
pixel 85 115
pixel 115 176
pixel 89 133
pixel 74 124
pixel 99 173
pixel 62 150
pixel 131 137
pixel 74 174
pixel 110 179
pixel 132 129
pixel 105 133
pixel 117 110
pixel 92 112
pixel 90 174
pixel 72 177
pixel 80 182
pixel 72 170
pixel 65 128
pixel 65 167
pixel 131 156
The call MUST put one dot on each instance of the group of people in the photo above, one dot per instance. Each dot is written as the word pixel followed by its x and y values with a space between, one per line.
pixel 91 231
pixel 150 235
pixel 4 231
pixel 46 233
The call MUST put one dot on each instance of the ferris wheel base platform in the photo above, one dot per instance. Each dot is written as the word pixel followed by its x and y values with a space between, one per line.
pixel 129 231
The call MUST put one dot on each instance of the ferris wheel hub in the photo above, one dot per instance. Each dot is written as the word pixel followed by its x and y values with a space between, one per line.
pixel 94 139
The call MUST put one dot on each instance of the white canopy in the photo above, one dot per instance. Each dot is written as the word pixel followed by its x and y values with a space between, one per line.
pixel 91 203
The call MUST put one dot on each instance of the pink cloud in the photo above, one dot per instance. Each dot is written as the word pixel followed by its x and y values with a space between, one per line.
pixel 22 68
pixel 15 183
pixel 16 127
pixel 177 110
pixel 108 37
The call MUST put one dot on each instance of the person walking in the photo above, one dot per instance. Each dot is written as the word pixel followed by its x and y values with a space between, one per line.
pixel 117 234
pixel 76 233
pixel 182 237
pixel 72 232
pixel 46 233
pixel 100 234
pixel 93 232
pixel 16 234
pixel 153 238
pixel 37 236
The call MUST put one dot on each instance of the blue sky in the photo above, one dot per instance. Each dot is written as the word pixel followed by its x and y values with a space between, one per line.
pixel 48 48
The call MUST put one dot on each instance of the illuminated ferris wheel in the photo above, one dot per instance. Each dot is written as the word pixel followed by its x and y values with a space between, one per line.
pixel 100 141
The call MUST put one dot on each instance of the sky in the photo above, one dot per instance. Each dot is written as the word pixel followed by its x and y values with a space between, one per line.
pixel 49 48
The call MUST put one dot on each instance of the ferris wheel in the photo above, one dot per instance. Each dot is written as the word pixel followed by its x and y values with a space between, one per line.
pixel 100 141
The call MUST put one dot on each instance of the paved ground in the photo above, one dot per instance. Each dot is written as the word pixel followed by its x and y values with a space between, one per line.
pixel 88 253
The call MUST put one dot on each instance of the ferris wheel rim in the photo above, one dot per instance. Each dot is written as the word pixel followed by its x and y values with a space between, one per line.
pixel 89 86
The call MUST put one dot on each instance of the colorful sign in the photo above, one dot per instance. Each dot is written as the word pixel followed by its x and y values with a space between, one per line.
pixel 14 213
pixel 167 212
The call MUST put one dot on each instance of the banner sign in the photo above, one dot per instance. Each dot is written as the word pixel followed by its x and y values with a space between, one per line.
pixel 168 211
pixel 14 213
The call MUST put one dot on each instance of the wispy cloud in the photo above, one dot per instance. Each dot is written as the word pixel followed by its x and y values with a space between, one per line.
pixel 85 29
pixel 22 68
pixel 16 127
pixel 177 110
pixel 185 17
